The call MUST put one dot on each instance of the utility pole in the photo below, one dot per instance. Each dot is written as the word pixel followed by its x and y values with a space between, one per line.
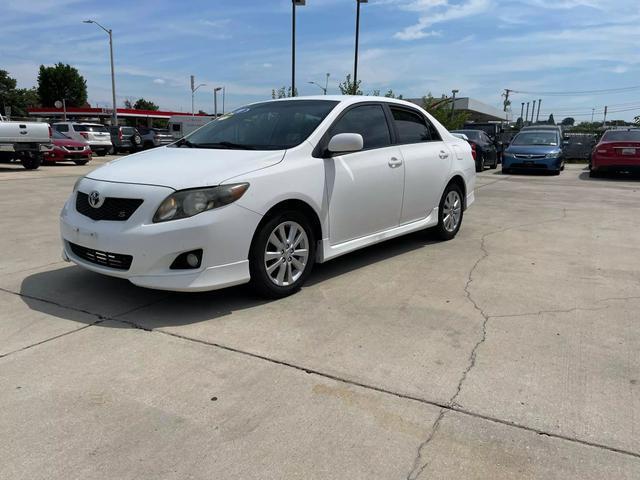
pixel 527 115
pixel 522 111
pixel 538 114
pixel 593 110
pixel 506 94
pixel 215 101
pixel 294 4
pixel 604 121
pixel 533 111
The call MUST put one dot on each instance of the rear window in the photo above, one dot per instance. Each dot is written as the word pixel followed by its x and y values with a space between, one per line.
pixel 367 120
pixel 621 136
pixel 127 131
pixel 90 128
pixel 61 128
pixel 471 134
pixel 411 126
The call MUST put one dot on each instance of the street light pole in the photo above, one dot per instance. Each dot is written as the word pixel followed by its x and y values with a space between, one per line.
pixel 326 85
pixel 453 102
pixel 215 101
pixel 355 62
pixel 294 4
pixel 114 114
pixel 193 93
pixel 224 94
pixel 533 112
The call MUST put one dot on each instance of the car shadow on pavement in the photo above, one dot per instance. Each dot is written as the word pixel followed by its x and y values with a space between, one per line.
pixel 611 177
pixel 101 297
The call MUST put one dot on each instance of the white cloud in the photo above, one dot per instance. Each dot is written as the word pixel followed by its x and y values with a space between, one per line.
pixel 159 81
pixel 267 65
pixel 438 11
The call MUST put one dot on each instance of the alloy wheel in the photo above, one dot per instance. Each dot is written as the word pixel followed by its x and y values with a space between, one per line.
pixel 451 211
pixel 286 253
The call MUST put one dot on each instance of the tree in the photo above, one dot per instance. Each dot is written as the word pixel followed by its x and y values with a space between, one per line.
pixel 390 94
pixel 18 99
pixel 142 104
pixel 349 88
pixel 568 122
pixel 551 120
pixel 282 92
pixel 61 81
pixel 440 108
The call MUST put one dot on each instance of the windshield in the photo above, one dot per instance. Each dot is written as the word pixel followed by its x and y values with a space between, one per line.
pixel 621 136
pixel 264 126
pixel 536 138
pixel 60 136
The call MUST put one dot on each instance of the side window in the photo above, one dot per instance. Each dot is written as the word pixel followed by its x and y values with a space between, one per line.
pixel 367 120
pixel 411 126
pixel 62 128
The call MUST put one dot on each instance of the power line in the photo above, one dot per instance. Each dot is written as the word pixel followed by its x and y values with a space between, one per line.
pixel 580 92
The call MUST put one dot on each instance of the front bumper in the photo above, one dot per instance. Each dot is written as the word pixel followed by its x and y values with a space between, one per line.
pixel 514 163
pixel 223 234
pixel 61 155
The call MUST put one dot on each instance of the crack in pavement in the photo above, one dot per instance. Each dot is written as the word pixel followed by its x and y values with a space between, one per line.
pixel 445 407
pixel 417 469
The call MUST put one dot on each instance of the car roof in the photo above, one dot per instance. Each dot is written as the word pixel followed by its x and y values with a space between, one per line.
pixel 348 99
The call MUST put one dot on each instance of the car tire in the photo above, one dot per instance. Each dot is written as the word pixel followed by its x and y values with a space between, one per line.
pixel 451 203
pixel 81 162
pixel 556 172
pixel 495 164
pixel 480 163
pixel 277 268
pixel 31 161
pixel 594 174
pixel 102 153
pixel 505 171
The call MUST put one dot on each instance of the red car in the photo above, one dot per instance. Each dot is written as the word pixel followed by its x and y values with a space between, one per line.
pixel 66 149
pixel 617 150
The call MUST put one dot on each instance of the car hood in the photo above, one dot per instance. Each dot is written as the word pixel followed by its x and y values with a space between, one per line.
pixel 532 149
pixel 181 168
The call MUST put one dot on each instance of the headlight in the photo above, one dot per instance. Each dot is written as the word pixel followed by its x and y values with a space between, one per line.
pixel 552 155
pixel 75 185
pixel 187 203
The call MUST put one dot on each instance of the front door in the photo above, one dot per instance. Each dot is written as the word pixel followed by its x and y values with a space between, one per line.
pixel 365 188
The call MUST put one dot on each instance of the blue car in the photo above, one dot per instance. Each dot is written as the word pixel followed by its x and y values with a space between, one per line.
pixel 539 150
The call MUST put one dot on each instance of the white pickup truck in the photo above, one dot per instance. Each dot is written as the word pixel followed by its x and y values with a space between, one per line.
pixel 24 141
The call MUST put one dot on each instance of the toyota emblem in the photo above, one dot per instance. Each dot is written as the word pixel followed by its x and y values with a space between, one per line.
pixel 95 199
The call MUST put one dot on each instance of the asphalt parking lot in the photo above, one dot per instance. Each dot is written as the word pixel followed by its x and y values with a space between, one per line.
pixel 511 352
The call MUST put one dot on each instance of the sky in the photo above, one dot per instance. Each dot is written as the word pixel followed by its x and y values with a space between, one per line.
pixel 414 47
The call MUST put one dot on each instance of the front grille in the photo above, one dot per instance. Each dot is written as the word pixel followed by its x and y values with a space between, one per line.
pixel 116 209
pixel 105 259
pixel 74 149
pixel 529 157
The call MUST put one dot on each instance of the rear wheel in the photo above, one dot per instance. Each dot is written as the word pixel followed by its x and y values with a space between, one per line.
pixel 31 161
pixel 495 163
pixel 282 254
pixel 450 212
pixel 480 163
pixel 102 153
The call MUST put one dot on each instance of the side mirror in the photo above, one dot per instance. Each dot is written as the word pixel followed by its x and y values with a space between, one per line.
pixel 565 142
pixel 345 143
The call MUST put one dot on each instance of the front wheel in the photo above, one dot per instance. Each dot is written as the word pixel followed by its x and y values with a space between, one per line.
pixel 450 212
pixel 282 254
pixel 480 164
pixel 495 163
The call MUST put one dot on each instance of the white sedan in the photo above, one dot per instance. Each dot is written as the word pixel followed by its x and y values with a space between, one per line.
pixel 263 193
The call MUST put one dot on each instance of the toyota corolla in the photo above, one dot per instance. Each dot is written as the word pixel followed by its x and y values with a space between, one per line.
pixel 263 193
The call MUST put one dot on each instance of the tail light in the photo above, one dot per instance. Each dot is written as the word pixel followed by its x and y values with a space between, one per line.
pixel 119 134
pixel 473 150
pixel 50 132
pixel 84 134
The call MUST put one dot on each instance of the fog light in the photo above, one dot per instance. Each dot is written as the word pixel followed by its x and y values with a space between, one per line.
pixel 187 260
pixel 193 260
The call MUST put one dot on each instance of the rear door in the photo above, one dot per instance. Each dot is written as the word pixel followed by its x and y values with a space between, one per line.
pixel 427 161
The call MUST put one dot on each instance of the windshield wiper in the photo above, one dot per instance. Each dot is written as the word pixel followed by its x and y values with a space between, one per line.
pixel 230 145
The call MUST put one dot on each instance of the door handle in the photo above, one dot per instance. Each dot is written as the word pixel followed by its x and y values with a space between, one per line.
pixel 395 162
pixel 443 154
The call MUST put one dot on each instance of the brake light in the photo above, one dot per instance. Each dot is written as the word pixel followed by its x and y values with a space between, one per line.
pixel 84 134
pixel 119 134
pixel 473 150
pixel 50 132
